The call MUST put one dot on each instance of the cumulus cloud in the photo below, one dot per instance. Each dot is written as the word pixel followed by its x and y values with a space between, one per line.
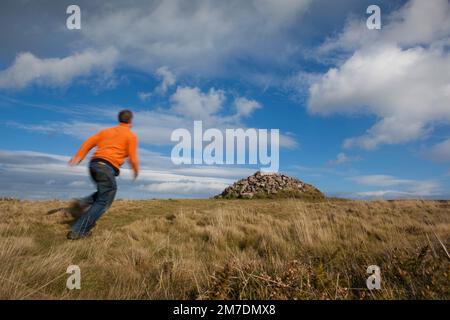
pixel 416 23
pixel 28 69
pixel 194 104
pixel 419 22
pixel 400 74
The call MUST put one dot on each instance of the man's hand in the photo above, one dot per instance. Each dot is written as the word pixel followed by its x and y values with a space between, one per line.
pixel 135 175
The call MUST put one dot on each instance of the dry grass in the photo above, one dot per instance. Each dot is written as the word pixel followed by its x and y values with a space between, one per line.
pixel 231 249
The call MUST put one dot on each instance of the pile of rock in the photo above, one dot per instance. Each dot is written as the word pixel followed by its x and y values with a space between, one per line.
pixel 270 185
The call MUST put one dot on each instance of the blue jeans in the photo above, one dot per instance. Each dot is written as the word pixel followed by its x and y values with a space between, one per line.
pixel 104 176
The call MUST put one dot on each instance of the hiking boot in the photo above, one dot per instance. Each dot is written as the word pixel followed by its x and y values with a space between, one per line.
pixel 77 208
pixel 75 236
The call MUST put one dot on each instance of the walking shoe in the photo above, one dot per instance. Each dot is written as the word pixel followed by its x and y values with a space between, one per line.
pixel 75 236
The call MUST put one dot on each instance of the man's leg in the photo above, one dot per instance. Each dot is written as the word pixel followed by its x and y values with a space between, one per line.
pixel 89 200
pixel 106 191
pixel 78 207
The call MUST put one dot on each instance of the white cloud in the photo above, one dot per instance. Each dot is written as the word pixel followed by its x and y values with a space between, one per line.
pixel 408 89
pixel 381 180
pixel 78 183
pixel 245 107
pixel 168 79
pixel 224 172
pixel 201 36
pixel 40 175
pixel 440 151
pixel 409 187
pixel 419 22
pixel 144 95
pixel 194 104
pixel 151 127
pixel 389 75
pixel 29 174
pixel 343 158
pixel 185 187
pixel 385 194
pixel 288 142
pixel 396 194
pixel 416 23
pixel 75 128
pixel 28 69
pixel 155 127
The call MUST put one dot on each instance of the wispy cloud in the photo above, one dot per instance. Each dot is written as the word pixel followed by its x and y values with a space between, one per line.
pixel 28 69
pixel 29 174
pixel 342 158
pixel 408 187
pixel 154 127
pixel 143 96
pixel 439 152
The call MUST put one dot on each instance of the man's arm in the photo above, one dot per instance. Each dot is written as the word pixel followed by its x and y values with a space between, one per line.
pixel 84 149
pixel 132 155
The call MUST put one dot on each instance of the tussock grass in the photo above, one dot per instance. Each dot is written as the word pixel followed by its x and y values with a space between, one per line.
pixel 229 249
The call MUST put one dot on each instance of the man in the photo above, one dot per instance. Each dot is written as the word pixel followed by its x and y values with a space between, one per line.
pixel 113 146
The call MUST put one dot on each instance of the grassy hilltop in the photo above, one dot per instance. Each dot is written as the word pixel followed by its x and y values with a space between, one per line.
pixel 232 249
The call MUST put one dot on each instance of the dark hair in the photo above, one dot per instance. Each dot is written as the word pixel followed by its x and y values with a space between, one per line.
pixel 125 116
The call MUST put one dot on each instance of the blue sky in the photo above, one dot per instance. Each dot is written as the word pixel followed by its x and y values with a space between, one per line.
pixel 362 113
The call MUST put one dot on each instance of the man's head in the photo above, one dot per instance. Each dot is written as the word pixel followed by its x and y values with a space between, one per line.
pixel 125 116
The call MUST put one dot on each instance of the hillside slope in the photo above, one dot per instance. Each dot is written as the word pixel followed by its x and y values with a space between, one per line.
pixel 236 249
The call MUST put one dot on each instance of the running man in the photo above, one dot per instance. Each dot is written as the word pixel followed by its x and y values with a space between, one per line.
pixel 113 146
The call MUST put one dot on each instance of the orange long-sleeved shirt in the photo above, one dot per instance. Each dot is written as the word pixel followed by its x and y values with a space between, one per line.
pixel 114 145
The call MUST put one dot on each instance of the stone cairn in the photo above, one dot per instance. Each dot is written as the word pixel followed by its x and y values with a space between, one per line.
pixel 270 185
